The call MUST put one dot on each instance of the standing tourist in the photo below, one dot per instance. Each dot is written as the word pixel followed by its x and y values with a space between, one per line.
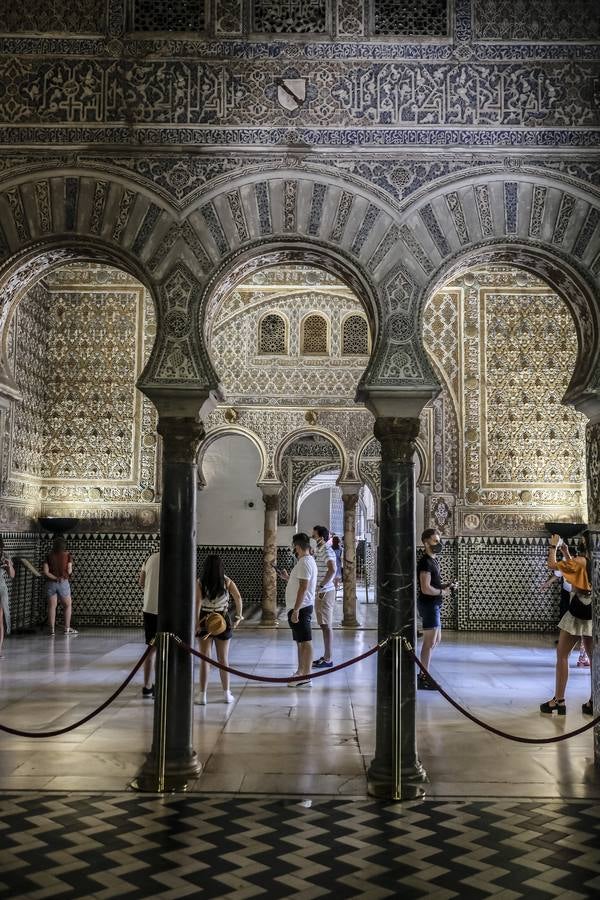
pixel 326 561
pixel 576 624
pixel 212 596
pixel 6 571
pixel 148 581
pixel 336 546
pixel 429 601
pixel 58 568
pixel 300 598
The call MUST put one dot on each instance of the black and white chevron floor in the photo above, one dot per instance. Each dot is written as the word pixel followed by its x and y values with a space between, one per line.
pixel 123 845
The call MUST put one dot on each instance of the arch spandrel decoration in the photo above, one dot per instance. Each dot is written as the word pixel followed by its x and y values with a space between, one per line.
pixel 392 259
pixel 520 218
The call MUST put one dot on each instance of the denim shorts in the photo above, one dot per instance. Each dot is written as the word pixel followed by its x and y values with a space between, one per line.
pixel 430 613
pixel 61 587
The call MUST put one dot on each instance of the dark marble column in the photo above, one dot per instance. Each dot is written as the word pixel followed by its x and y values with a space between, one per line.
pixel 592 438
pixel 181 439
pixel 396 600
pixel 269 580
pixel 349 499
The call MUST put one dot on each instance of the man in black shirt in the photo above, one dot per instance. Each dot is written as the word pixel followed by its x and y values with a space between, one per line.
pixel 431 593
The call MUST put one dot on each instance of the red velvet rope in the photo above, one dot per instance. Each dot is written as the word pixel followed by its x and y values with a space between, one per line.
pixel 58 731
pixel 496 731
pixel 272 680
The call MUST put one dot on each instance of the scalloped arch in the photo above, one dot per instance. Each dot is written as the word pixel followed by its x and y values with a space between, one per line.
pixel 304 432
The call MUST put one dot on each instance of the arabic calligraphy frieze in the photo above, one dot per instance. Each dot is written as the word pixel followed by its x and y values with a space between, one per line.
pixel 394 95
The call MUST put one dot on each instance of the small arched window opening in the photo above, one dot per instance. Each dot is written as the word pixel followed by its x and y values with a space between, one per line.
pixel 272 336
pixel 355 336
pixel 314 338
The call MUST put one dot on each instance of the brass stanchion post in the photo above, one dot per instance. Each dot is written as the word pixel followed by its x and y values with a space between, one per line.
pixel 396 718
pixel 161 699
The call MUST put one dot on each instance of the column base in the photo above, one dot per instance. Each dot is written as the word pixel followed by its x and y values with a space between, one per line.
pixel 350 622
pixel 380 783
pixel 177 775
pixel 268 620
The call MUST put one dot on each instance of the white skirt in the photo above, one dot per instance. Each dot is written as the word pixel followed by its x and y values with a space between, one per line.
pixel 579 627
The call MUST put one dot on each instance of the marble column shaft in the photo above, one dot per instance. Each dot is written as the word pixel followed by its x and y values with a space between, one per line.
pixel 177 582
pixel 592 436
pixel 396 606
pixel 269 577
pixel 349 568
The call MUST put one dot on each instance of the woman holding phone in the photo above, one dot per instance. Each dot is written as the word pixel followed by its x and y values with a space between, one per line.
pixel 576 623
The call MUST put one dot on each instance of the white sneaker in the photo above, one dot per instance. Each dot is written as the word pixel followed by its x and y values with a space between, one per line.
pixel 228 697
pixel 71 631
pixel 200 698
pixel 293 684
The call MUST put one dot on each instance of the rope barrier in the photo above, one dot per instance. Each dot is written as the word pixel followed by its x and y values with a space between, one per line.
pixel 497 731
pixel 273 680
pixel 59 731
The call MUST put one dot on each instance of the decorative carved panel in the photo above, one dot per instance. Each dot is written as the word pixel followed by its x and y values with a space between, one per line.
pixel 355 336
pixel 505 348
pixel 405 18
pixel 314 335
pixel 289 16
pixel 272 334
pixel 83 439
pixel 174 15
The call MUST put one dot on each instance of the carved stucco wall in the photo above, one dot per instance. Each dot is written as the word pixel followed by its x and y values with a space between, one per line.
pixel 406 160
pixel 505 346
pixel 82 442
pixel 292 292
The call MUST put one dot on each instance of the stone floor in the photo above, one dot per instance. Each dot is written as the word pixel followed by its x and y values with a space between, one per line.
pixel 280 741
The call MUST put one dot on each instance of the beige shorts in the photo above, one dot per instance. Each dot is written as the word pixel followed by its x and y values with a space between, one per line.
pixel 324 608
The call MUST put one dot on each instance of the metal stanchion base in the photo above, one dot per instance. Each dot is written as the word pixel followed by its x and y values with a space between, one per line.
pixel 177 775
pixel 412 784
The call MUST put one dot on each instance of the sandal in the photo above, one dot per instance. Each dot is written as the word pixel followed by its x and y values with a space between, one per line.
pixel 554 705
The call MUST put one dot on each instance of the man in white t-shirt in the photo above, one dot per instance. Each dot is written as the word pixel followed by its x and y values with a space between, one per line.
pixel 148 581
pixel 325 599
pixel 299 599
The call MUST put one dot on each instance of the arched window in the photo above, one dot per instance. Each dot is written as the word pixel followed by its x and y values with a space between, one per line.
pixel 272 334
pixel 314 335
pixel 355 336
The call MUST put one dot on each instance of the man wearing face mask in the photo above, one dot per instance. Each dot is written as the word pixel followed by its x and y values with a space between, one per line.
pixel 429 600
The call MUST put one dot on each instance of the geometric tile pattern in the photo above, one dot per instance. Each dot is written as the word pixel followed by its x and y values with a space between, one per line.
pixel 106 845
pixel 498 580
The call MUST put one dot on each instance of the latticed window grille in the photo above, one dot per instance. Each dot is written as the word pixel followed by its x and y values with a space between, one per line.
pixel 314 335
pixel 410 18
pixel 355 336
pixel 272 336
pixel 168 15
pixel 289 16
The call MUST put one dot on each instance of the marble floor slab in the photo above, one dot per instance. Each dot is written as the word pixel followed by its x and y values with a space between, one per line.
pixel 277 740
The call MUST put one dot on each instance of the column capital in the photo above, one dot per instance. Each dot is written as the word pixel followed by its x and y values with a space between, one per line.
pixel 271 501
pixel 181 438
pixel 270 490
pixel 349 495
pixel 399 434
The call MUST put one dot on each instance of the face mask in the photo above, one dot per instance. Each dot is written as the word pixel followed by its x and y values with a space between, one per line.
pixel 437 548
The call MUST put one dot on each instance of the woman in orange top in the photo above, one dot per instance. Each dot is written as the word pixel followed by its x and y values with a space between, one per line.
pixel 576 624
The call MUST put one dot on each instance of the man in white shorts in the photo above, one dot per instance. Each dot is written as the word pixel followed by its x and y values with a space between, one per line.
pixel 326 569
